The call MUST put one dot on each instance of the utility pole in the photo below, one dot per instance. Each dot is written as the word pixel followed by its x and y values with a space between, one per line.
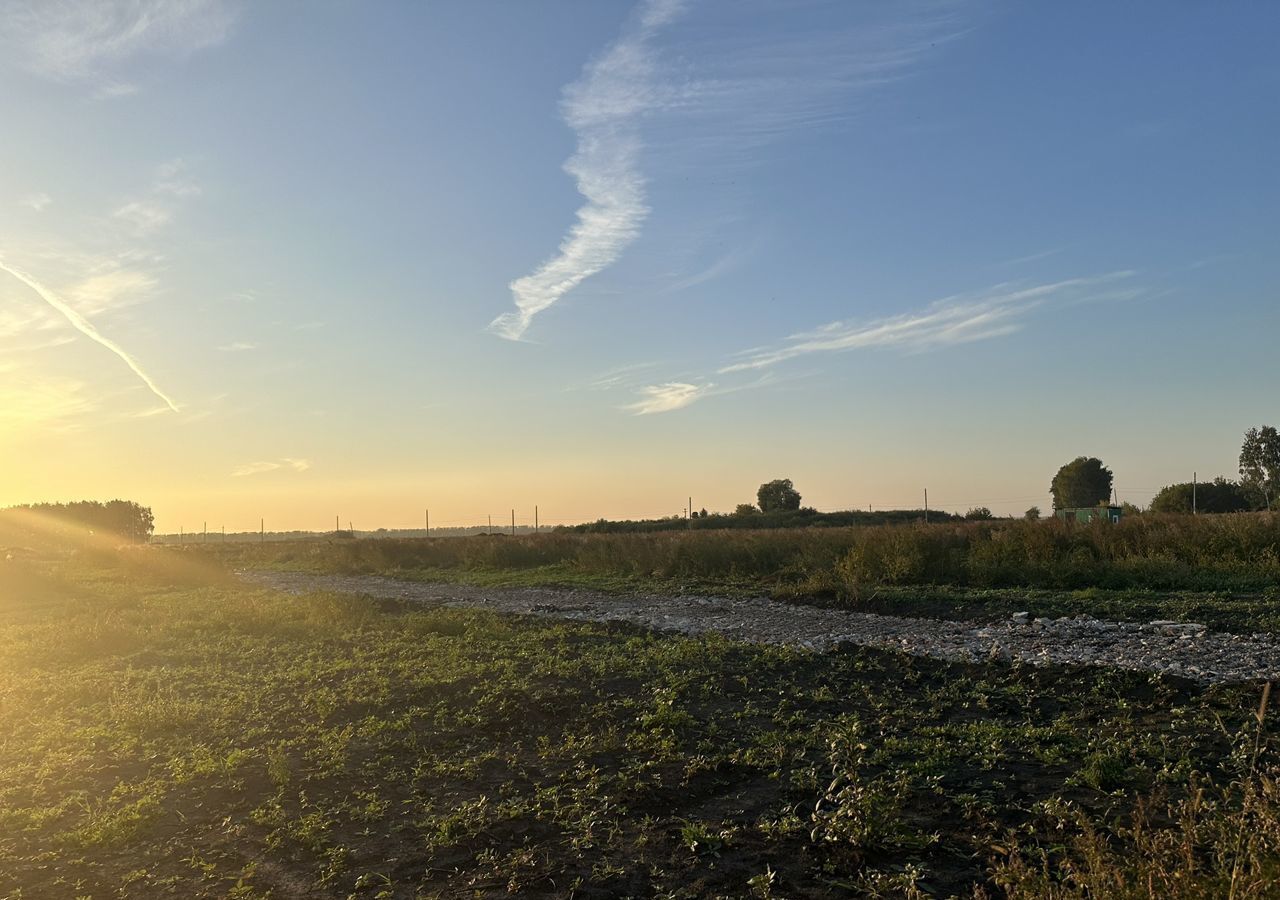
pixel 513 523
pixel 689 511
pixel 428 512
pixel 337 525
pixel 491 522
pixel 262 531
pixel 926 506
pixel 535 518
pixel 182 536
pixel 224 534
pixel 1194 509
pixel 204 535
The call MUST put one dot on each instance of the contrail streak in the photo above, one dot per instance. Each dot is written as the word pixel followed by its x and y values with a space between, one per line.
pixel 603 108
pixel 85 327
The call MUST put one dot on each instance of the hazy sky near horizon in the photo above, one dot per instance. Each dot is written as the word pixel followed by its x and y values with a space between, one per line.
pixel 298 260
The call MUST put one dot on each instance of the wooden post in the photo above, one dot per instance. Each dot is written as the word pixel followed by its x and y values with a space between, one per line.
pixel 926 506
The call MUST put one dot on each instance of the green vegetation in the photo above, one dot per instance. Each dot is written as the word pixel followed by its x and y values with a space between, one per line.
pixel 747 515
pixel 1218 496
pixel 1260 465
pixel 1081 483
pixel 169 732
pixel 43 523
pixel 779 495
pixel 1221 570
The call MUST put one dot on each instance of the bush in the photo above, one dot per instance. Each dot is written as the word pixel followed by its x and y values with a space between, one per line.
pixel 1235 552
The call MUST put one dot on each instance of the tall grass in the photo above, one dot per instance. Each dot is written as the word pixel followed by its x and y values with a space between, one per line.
pixel 1219 842
pixel 1239 552
pixel 1226 552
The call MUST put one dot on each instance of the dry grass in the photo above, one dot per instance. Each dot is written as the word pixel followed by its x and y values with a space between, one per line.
pixel 1237 552
pixel 1218 842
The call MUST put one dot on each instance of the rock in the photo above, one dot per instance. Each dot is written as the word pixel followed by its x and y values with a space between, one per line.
pixel 1182 629
pixel 1163 645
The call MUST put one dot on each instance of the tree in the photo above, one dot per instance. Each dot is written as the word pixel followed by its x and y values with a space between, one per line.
pixel 130 520
pixel 1260 465
pixel 126 520
pixel 1081 483
pixel 745 509
pixel 1218 496
pixel 978 513
pixel 1032 514
pixel 778 495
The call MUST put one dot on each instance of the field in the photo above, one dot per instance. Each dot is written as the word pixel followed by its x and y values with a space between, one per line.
pixel 168 731
pixel 1223 571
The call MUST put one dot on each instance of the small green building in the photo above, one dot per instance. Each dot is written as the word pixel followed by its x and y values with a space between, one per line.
pixel 1089 514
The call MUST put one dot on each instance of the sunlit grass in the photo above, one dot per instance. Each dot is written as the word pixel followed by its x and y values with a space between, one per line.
pixel 165 730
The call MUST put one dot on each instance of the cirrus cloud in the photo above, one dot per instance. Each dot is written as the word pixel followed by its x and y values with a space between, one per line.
pixel 285 463
pixel 673 395
pixel 89 40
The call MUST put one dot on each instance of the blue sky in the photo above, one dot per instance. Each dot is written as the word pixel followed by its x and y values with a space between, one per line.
pixel 298 260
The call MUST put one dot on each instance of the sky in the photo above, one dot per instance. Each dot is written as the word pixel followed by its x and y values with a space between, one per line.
pixel 293 261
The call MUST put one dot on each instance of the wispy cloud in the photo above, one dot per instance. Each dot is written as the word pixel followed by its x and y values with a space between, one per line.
pixel 26 401
pixel 38 201
pixel 155 209
pixel 603 108
pixel 954 320
pixel 286 463
pixel 788 75
pixel 709 98
pixel 143 215
pixel 725 263
pixel 238 347
pixel 660 398
pixel 1030 257
pixel 109 267
pixel 619 376
pixel 89 40
pixel 85 327
pixel 111 287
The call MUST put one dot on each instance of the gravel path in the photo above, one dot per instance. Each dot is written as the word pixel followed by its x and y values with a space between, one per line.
pixel 1173 648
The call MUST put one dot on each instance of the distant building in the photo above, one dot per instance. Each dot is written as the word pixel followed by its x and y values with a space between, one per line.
pixel 1089 514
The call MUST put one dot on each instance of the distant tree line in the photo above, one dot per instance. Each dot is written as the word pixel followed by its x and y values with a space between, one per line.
pixel 800 518
pixel 1082 483
pixel 777 506
pixel 123 519
pixel 1086 482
